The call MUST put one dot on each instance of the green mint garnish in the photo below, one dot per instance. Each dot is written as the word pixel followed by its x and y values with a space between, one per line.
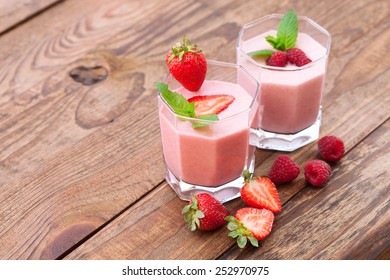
pixel 213 117
pixel 261 53
pixel 182 107
pixel 286 35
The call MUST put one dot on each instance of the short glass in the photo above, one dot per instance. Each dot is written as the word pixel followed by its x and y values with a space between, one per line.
pixel 290 99
pixel 212 158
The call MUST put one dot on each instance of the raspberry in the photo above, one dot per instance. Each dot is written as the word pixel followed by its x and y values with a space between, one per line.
pixel 317 172
pixel 297 56
pixel 331 148
pixel 278 59
pixel 283 170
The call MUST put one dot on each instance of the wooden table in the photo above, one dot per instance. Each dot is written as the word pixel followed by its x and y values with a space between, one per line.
pixel 81 166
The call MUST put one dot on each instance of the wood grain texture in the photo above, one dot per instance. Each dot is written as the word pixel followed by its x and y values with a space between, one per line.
pixel 345 108
pixel 13 12
pixel 347 219
pixel 81 167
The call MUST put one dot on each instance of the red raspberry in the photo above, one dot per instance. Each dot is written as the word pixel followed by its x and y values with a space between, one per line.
pixel 283 170
pixel 331 148
pixel 317 172
pixel 278 59
pixel 297 56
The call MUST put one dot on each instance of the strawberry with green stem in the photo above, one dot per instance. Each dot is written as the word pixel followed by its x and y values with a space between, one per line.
pixel 251 224
pixel 205 212
pixel 187 64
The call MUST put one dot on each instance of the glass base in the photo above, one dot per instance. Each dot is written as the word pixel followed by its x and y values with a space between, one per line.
pixel 224 193
pixel 286 142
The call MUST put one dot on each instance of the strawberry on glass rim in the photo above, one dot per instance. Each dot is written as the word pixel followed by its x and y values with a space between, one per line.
pixel 187 64
pixel 206 105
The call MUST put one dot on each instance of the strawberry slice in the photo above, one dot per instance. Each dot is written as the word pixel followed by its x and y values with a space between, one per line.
pixel 206 105
pixel 250 224
pixel 261 193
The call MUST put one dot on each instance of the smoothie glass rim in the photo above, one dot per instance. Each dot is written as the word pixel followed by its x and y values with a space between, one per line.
pixel 300 18
pixel 216 63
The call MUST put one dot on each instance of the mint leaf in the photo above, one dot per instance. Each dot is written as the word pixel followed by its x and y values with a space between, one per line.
pixel 261 53
pixel 213 117
pixel 181 106
pixel 271 40
pixel 287 31
pixel 178 102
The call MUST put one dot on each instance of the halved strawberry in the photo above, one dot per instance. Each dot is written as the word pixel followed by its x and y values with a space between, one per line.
pixel 206 105
pixel 261 193
pixel 250 224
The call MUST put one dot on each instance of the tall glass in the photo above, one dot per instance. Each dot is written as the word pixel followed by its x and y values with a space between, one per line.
pixel 290 99
pixel 211 158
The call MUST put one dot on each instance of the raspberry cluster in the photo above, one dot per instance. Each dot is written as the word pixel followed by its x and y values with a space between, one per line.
pixel 294 55
pixel 317 172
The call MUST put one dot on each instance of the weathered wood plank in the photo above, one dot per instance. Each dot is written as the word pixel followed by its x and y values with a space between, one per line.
pixel 347 219
pixel 13 12
pixel 62 141
pixel 345 108
pixel 47 133
pixel 204 245
pixel 76 156
pixel 353 208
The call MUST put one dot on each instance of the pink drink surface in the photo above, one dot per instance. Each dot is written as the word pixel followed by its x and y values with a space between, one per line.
pixel 290 100
pixel 213 155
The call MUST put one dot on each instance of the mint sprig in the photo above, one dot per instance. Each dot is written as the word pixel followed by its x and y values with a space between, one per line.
pixel 182 107
pixel 261 53
pixel 286 35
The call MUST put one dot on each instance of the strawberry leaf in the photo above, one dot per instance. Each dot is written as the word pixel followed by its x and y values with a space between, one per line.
pixel 241 241
pixel 234 234
pixel 199 214
pixel 230 219
pixel 253 241
pixel 287 31
pixel 186 209
pixel 232 226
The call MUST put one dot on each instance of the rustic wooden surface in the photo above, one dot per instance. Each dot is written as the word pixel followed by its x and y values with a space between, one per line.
pixel 81 168
pixel 14 12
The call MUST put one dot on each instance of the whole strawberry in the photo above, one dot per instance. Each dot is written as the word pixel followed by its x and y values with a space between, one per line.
pixel 331 148
pixel 205 212
pixel 283 170
pixel 261 193
pixel 187 64
pixel 250 224
pixel 317 172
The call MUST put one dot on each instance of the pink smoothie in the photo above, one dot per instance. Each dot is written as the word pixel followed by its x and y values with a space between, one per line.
pixel 213 155
pixel 291 97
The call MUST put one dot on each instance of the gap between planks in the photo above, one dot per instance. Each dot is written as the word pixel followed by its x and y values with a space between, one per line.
pixel 113 218
pixel 29 17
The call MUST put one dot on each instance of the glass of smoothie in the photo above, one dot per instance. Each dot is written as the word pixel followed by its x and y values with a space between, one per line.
pixel 211 155
pixel 291 96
